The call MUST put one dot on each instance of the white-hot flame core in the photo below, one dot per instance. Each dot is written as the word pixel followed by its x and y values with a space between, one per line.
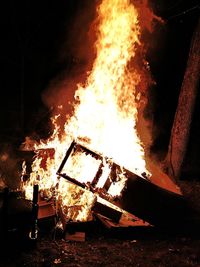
pixel 105 113
pixel 81 167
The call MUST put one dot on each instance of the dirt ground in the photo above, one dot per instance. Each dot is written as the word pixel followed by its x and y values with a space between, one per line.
pixel 145 247
pixel 108 251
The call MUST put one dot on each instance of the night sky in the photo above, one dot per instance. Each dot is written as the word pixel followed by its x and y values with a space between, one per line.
pixel 38 40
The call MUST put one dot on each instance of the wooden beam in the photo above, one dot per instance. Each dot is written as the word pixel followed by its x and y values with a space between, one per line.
pixel 182 122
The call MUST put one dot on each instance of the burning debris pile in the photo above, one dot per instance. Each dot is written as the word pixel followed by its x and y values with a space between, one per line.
pixel 107 157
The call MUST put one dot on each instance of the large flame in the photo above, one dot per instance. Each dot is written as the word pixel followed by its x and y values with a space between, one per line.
pixel 105 110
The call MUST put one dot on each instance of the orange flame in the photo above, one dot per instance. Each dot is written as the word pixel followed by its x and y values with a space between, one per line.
pixel 105 112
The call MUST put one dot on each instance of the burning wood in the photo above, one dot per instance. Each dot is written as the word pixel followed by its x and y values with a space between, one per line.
pixel 105 173
pixel 105 110
pixel 138 195
pixel 104 120
pixel 102 189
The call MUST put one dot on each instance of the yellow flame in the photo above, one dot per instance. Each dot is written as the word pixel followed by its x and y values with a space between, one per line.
pixel 105 113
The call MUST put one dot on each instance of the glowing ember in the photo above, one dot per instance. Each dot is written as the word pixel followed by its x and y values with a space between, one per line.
pixel 105 114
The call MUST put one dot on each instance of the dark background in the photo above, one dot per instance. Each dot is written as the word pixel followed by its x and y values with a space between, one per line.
pixel 33 53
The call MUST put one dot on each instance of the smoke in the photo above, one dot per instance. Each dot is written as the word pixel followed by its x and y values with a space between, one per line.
pixel 149 24
pixel 76 57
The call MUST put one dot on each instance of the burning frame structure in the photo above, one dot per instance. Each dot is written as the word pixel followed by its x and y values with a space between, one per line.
pixel 139 196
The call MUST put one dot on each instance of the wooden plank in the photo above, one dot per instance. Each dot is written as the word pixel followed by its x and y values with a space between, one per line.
pixel 106 211
pixel 46 209
pixel 125 221
pixel 186 103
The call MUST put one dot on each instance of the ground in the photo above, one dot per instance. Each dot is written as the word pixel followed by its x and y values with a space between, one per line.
pixel 144 247
pixel 102 251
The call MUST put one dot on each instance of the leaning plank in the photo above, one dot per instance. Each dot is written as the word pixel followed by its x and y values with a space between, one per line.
pixel 186 103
